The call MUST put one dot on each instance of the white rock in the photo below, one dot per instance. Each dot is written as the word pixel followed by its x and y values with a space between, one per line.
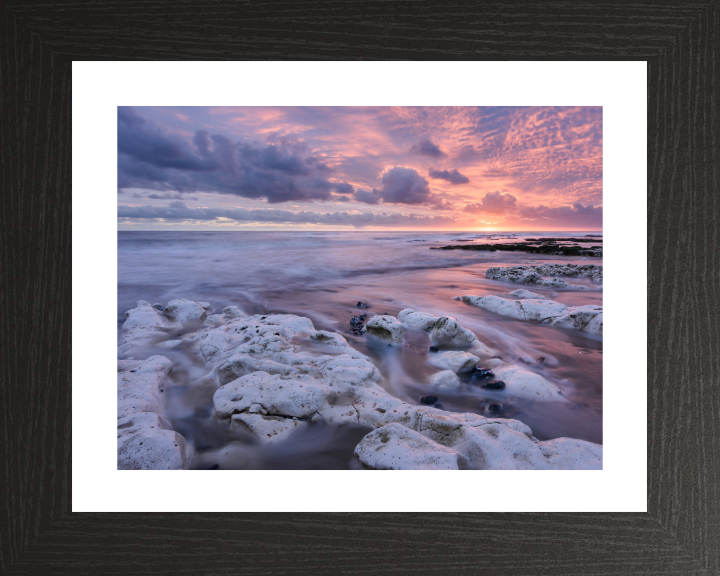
pixel 522 383
pixel 233 311
pixel 385 328
pixel 139 385
pixel 343 388
pixel 532 274
pixel 299 397
pixel 454 360
pixel 205 306
pixel 184 310
pixel 331 339
pixel 169 344
pixel 559 283
pixel 146 441
pixel 144 315
pixel 352 370
pixel 267 429
pixel 515 274
pixel 447 332
pixel 528 309
pixel 591 270
pixel 445 380
pixel 417 320
pixel 526 294
pixel 214 320
pixel 394 447
pixel 570 454
pixel 588 318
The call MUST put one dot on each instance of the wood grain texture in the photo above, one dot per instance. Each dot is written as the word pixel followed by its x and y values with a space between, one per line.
pixel 681 532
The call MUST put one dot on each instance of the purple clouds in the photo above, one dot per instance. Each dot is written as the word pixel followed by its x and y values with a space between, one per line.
pixel 454 177
pixel 497 202
pixel 511 168
pixel 426 148
pixel 152 158
pixel 180 212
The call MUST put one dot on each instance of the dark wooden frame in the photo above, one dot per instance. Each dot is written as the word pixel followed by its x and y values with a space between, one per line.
pixel 680 534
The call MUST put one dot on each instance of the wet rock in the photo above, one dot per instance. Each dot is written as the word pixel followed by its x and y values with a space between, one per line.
pixel 184 310
pixel 169 344
pixel 445 380
pixel 494 385
pixel 395 447
pixel 495 407
pixel 438 406
pixel 429 400
pixel 158 307
pixel 541 360
pixel 232 312
pixel 359 330
pixel 266 428
pixel 480 375
pixel 454 360
pixel 139 383
pixel 146 441
pixel 263 372
pixel 570 454
pixel 447 332
pixel 301 398
pixel 385 328
pixel 526 294
pixel 144 316
pixel 417 320
pixel 587 318
pixel 215 320
pixel 434 349
pixel 528 309
pixel 362 305
pixel 589 270
pixel 522 383
pixel 528 275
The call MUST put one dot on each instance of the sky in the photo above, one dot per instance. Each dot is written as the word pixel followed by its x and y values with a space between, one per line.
pixel 339 168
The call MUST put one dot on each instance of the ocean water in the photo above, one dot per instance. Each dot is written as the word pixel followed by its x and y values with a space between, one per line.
pixel 322 275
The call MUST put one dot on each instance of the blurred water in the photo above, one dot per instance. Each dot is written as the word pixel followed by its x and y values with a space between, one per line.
pixel 322 275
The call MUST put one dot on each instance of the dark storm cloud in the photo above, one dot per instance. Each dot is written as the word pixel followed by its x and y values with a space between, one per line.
pixel 453 176
pixel 151 158
pixel 426 148
pixel 178 211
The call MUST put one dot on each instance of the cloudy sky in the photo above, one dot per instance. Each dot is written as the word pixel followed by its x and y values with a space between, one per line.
pixel 467 168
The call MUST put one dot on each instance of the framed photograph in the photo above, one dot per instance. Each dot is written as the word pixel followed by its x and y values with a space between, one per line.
pixel 319 309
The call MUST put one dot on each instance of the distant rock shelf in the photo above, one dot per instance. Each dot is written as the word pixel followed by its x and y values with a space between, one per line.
pixel 545 248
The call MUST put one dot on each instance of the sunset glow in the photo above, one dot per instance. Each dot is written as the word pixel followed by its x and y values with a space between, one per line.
pixel 399 168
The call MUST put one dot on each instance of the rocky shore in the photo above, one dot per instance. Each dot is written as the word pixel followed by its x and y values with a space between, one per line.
pixel 534 247
pixel 534 274
pixel 276 375
pixel 588 318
